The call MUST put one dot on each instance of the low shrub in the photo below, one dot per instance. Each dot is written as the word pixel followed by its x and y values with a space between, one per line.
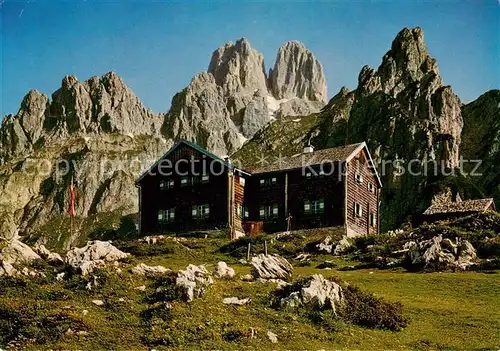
pixel 367 310
pixel 35 324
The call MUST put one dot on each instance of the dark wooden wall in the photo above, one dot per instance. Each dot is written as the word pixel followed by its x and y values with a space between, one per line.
pixel 300 188
pixel 327 187
pixel 214 193
pixel 359 193
pixel 257 195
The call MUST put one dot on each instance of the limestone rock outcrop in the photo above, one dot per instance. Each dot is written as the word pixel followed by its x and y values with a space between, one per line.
pixel 93 255
pixel 297 73
pixel 325 293
pixel 238 68
pixel 195 280
pixel 271 267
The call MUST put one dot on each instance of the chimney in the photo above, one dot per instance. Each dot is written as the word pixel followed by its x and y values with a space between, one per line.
pixel 308 149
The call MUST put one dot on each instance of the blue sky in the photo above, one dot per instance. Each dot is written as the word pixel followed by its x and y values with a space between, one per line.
pixel 157 47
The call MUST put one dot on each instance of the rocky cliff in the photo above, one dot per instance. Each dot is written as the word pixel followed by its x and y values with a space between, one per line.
pixel 98 133
pixel 481 143
pixel 222 108
pixel 404 112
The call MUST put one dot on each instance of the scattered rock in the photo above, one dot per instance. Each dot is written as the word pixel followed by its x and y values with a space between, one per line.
pixel 326 265
pixel 235 301
pixel 7 270
pixel 143 269
pixel 85 312
pixel 247 278
pixel 195 280
pixel 440 254
pixel 222 270
pixel 303 257
pixel 271 267
pixel 342 246
pixel 141 288
pixel 98 302
pixel 326 245
pixel 93 255
pixel 272 337
pixel 317 289
pixel 17 252
pixel 47 254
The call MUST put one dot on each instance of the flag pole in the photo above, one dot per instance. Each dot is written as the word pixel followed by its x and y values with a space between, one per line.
pixel 70 212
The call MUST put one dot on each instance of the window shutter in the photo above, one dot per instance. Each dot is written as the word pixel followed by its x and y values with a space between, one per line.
pixel 307 206
pixel 275 209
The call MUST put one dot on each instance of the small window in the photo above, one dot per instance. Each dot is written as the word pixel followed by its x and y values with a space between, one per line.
pixel 200 211
pixel 246 213
pixel 269 211
pixel 314 206
pixel 359 178
pixel 371 188
pixel 318 206
pixel 165 216
pixel 308 174
pixel 170 184
pixel 163 184
pixel 373 220
pixel 358 210
pixel 275 210
pixel 268 181
pixel 239 211
pixel 242 181
pixel 205 178
pixel 184 181
pixel 307 207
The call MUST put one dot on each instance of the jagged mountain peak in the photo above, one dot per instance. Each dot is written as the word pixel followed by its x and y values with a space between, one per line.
pixel 297 73
pixel 238 68
pixel 407 62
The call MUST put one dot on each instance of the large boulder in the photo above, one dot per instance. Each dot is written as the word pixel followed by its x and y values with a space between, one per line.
pixel 93 255
pixel 222 270
pixel 46 254
pixel 17 252
pixel 440 254
pixel 315 289
pixel 7 270
pixel 195 280
pixel 144 269
pixel 271 267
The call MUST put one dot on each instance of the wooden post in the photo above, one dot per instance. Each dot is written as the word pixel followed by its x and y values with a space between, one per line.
pixel 248 252
pixel 265 247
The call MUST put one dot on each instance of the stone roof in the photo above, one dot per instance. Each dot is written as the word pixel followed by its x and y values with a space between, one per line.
pixel 333 154
pixel 480 205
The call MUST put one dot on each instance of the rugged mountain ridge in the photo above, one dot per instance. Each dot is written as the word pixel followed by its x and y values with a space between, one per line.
pixel 103 137
pixel 235 98
pixel 404 112
pixel 100 105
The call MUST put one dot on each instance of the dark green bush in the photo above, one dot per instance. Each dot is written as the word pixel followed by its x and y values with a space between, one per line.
pixel 367 310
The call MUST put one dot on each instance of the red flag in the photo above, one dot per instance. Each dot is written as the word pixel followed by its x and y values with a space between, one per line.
pixel 71 200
